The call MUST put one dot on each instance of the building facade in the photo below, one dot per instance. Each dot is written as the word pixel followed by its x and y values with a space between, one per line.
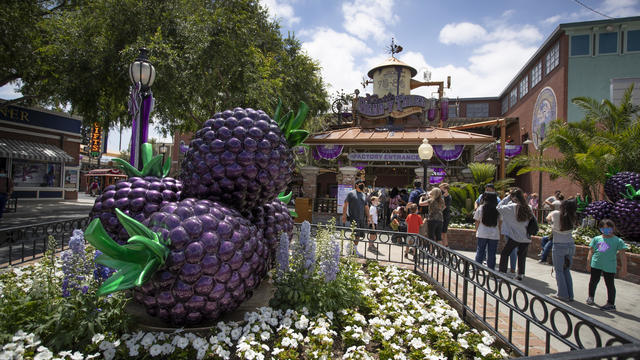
pixel 40 149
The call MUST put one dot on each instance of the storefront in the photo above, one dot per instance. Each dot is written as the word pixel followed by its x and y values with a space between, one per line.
pixel 40 151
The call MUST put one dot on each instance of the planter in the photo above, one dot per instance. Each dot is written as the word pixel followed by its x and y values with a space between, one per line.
pixel 465 240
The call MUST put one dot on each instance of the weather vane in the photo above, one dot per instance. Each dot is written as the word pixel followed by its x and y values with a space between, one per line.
pixel 394 48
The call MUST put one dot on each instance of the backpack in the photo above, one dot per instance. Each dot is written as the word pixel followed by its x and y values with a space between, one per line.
pixel 532 226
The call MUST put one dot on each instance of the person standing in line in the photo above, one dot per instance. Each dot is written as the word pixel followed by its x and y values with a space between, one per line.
pixel 398 223
pixel 414 196
pixel 533 201
pixel 564 248
pixel 6 189
pixel 515 217
pixel 487 188
pixel 602 260
pixel 413 220
pixel 488 224
pixel 404 198
pixel 373 215
pixel 355 209
pixel 435 219
pixel 446 213
pixel 384 208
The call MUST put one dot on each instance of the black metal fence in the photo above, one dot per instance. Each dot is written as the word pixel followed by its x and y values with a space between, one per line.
pixel 528 322
pixel 26 243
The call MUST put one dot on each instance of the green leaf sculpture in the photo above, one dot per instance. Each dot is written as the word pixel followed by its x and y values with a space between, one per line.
pixel 286 199
pixel 291 125
pixel 151 165
pixel 136 261
pixel 582 203
pixel 631 193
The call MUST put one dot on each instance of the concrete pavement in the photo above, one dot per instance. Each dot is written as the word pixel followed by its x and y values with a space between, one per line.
pixel 32 212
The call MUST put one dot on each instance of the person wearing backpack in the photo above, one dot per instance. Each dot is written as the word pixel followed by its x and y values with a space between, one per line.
pixel 516 216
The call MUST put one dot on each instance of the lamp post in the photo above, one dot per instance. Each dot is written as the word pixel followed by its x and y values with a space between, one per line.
pixel 539 150
pixel 425 152
pixel 142 74
pixel 163 150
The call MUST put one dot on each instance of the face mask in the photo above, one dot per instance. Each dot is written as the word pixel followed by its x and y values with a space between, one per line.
pixel 606 231
pixel 361 186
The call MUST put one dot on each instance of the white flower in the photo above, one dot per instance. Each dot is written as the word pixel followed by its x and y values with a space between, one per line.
pixel 277 351
pixel 486 338
pixel 109 353
pixel 43 354
pixel 97 338
pixel 416 343
pixel 201 353
pixel 92 356
pixel 133 350
pixel 76 356
pixel 302 323
pixel 105 345
pixel 484 349
pixel 155 350
pixel 463 343
pixel 235 333
pixel 265 335
pixel 180 341
pixel 147 340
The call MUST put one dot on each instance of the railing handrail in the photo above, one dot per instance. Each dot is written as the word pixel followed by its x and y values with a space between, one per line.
pixel 23 227
pixel 550 305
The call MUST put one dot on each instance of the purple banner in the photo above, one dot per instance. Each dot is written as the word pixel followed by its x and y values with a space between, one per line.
pixel 329 152
pixel 438 176
pixel 448 152
pixel 510 150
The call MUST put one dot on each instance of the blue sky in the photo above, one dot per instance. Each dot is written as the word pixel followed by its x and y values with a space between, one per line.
pixel 480 44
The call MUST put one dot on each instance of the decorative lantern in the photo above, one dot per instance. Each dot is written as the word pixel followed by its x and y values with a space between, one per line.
pixel 141 71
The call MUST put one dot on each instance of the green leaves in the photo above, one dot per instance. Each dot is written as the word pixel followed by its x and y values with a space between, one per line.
pixel 136 261
pixel 631 193
pixel 290 125
pixel 152 165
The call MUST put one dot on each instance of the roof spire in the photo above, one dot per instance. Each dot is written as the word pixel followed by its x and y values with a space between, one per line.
pixel 394 48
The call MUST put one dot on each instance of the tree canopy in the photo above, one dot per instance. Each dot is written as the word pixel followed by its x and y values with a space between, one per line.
pixel 209 56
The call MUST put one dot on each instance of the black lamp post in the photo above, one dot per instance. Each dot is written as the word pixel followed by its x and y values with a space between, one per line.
pixel 163 150
pixel 142 75
pixel 425 152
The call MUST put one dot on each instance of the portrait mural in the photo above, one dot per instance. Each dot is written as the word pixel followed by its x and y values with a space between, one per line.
pixel 544 111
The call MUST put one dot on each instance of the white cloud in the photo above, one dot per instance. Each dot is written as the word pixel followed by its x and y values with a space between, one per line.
pixel 552 20
pixel 620 8
pixel 337 53
pixel 526 33
pixel 461 33
pixel 369 19
pixel 281 10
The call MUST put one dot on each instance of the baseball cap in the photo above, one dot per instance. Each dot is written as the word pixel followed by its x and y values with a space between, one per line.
pixel 489 185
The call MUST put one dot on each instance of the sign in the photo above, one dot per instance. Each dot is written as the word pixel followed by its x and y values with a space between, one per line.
pixel 374 106
pixel 343 190
pixel 71 178
pixel 44 119
pixel 544 111
pixel 94 141
pixel 384 157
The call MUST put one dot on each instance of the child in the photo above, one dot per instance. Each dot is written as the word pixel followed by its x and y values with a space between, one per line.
pixel 373 211
pixel 602 261
pixel 398 224
pixel 413 226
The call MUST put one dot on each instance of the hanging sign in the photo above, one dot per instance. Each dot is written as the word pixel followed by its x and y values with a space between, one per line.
pixel 343 190
pixel 328 152
pixel 384 157
pixel 448 152
pixel 373 106
pixel 510 150
pixel 437 175
pixel 94 141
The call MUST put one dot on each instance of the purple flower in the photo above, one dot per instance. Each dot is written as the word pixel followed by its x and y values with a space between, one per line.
pixel 101 272
pixel 331 261
pixel 282 255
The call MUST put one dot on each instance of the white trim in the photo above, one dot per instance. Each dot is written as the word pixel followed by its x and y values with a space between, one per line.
pixel 73 140
pixel 18 131
pixel 39 128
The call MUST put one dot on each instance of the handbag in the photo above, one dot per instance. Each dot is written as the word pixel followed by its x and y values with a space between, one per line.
pixel 532 226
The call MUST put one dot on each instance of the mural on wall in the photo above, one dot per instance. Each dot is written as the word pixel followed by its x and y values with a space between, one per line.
pixel 544 111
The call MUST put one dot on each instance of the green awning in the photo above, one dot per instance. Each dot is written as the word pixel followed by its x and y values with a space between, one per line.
pixel 18 149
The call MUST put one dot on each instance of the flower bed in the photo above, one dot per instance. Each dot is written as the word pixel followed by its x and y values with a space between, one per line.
pixel 399 317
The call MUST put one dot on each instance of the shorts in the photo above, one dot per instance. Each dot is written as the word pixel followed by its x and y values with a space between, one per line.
pixel 445 224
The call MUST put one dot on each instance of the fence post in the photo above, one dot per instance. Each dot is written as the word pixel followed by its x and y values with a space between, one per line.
pixel 465 287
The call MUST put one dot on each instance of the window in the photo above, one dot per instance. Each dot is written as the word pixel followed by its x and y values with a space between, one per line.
pixel 633 40
pixel 478 110
pixel 28 173
pixel 505 105
pixel 580 45
pixel 453 111
pixel 524 86
pixel 536 74
pixel 552 59
pixel 513 97
pixel 608 43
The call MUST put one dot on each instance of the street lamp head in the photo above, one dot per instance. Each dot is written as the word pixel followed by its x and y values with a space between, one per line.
pixel 425 151
pixel 142 71
pixel 163 148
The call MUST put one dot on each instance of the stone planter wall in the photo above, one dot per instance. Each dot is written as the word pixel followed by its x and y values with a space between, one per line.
pixel 465 240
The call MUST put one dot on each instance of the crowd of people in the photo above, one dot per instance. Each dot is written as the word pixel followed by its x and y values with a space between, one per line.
pixel 512 217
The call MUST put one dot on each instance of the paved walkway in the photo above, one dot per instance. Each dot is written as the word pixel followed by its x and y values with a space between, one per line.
pixel 39 211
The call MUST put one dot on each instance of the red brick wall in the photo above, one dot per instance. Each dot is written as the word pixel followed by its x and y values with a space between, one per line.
pixel 465 240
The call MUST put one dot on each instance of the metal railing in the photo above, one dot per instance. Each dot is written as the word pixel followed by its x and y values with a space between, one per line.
pixel 21 244
pixel 325 205
pixel 525 320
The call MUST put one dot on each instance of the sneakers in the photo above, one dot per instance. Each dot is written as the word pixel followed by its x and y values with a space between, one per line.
pixel 608 307
pixel 519 277
pixel 590 301
pixel 511 275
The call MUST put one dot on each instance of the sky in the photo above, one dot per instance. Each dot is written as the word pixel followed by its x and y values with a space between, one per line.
pixel 481 44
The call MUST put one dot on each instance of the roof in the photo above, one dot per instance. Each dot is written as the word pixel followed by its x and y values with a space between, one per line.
pixel 457 121
pixel 387 137
pixel 392 62
pixel 19 149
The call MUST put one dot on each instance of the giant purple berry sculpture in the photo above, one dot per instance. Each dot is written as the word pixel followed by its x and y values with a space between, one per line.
pixel 139 196
pixel 195 260
pixel 615 185
pixel 626 214
pixel 599 210
pixel 273 219
pixel 242 157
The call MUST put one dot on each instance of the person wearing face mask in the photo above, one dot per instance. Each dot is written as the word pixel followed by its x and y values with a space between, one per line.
pixel 6 188
pixel 602 260
pixel 355 209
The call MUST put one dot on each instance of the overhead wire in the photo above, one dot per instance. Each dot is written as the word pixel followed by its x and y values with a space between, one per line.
pixel 591 9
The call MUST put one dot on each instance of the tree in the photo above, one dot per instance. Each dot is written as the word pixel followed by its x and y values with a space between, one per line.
pixel 210 56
